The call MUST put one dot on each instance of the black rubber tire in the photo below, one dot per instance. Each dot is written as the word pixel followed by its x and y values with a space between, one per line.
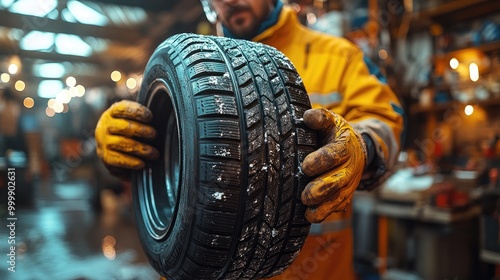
pixel 224 201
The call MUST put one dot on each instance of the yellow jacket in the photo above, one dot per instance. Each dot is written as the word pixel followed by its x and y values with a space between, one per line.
pixel 337 77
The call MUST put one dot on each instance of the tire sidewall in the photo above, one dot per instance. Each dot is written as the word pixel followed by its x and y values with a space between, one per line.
pixel 161 69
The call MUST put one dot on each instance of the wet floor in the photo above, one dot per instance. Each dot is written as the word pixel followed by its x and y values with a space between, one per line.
pixel 61 236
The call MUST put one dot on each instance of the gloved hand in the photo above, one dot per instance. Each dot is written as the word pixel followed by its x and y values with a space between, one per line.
pixel 339 164
pixel 114 136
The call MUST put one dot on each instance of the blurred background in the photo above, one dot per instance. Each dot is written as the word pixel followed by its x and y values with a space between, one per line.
pixel 62 63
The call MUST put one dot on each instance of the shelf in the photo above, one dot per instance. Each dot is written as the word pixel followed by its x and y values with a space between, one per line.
pixel 454 12
pixel 452 105
pixel 486 48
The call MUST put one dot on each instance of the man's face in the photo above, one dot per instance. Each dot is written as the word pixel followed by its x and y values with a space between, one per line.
pixel 242 17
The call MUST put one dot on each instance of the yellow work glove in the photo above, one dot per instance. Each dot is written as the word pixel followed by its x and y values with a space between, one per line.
pixel 116 133
pixel 339 163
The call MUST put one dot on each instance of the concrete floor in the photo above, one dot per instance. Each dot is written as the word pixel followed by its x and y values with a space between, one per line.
pixel 62 237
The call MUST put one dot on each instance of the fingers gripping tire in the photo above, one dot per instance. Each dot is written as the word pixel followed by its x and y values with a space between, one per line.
pixel 224 201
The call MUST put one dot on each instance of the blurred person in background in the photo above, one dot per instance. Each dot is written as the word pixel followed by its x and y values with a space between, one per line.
pixel 10 127
pixel 358 117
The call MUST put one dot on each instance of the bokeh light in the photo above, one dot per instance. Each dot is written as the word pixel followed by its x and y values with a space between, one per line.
pixel 454 63
pixel 20 85
pixel 469 110
pixel 28 102
pixel 71 81
pixel 131 83
pixel 13 68
pixel 116 76
pixel 5 78
pixel 49 112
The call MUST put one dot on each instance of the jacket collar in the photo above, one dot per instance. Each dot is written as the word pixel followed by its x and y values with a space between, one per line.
pixel 286 23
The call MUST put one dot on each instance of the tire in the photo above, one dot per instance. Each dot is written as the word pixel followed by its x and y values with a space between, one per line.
pixel 224 201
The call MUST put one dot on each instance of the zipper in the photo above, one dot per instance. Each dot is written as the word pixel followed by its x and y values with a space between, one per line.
pixel 308 49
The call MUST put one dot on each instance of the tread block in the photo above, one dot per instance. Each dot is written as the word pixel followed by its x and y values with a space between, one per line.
pixel 253 115
pixel 223 150
pixel 203 57
pixel 216 105
pixel 213 240
pixel 306 137
pixel 211 257
pixel 220 172
pixel 219 129
pixel 201 69
pixel 213 197
pixel 298 96
pixel 212 84
pixel 212 221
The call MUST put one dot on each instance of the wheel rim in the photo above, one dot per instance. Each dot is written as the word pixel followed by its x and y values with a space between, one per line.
pixel 159 184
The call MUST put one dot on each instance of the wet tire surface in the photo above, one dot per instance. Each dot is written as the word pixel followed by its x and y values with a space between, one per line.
pixel 224 201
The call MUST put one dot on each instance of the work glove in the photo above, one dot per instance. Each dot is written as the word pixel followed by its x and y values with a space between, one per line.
pixel 118 134
pixel 339 163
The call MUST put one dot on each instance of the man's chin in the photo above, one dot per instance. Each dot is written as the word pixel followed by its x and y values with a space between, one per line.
pixel 244 33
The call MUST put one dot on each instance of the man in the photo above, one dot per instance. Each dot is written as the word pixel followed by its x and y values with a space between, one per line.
pixel 357 114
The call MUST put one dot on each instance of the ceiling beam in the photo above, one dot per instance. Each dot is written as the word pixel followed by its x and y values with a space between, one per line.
pixel 104 62
pixel 87 81
pixel 151 5
pixel 128 35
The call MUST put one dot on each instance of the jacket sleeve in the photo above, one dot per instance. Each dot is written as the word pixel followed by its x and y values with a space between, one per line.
pixel 374 110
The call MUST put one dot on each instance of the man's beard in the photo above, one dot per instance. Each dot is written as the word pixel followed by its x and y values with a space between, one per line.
pixel 242 34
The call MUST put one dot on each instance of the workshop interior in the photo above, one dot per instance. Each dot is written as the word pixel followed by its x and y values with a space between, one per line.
pixel 64 62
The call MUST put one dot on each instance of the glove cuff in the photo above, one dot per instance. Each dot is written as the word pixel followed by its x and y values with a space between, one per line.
pixel 363 146
pixel 370 149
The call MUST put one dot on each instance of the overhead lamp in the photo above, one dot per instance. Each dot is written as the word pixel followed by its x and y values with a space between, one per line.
pixel 86 14
pixel 72 45
pixel 49 70
pixel 49 88
pixel 33 7
pixel 37 41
